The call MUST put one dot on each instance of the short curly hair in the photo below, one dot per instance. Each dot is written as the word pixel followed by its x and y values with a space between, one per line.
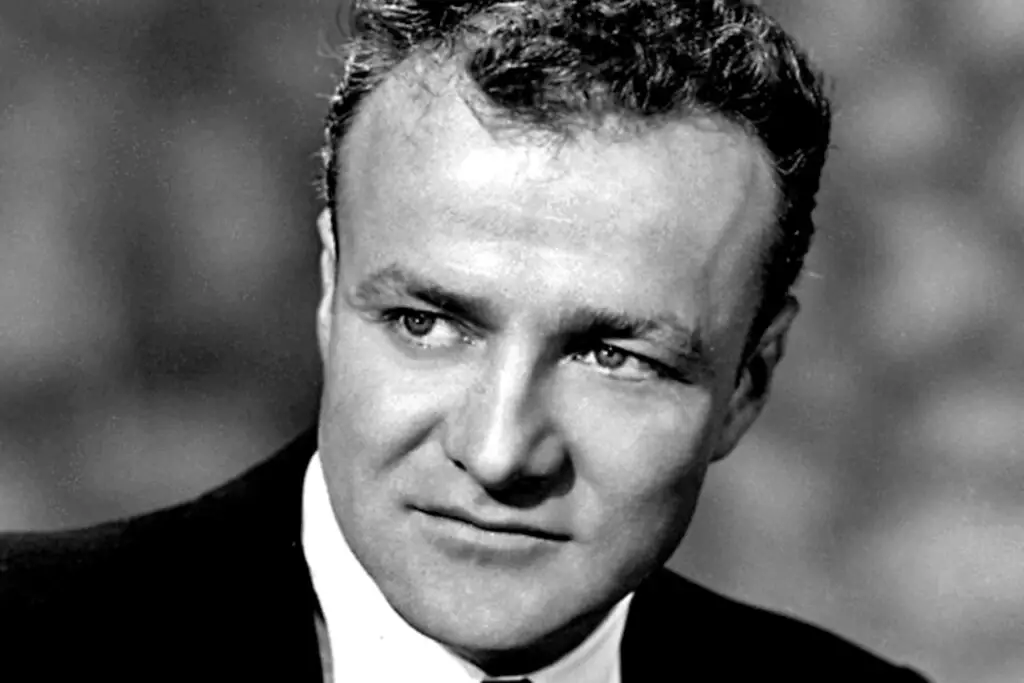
pixel 552 65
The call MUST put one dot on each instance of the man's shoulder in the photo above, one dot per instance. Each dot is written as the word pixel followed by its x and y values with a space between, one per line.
pixel 198 572
pixel 263 498
pixel 674 620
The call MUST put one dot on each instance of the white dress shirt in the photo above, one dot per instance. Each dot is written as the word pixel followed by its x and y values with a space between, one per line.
pixel 369 641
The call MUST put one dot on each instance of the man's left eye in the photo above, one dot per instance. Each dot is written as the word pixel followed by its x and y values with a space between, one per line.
pixel 618 364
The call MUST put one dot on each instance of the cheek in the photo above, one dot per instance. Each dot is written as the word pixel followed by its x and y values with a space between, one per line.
pixel 374 409
pixel 641 465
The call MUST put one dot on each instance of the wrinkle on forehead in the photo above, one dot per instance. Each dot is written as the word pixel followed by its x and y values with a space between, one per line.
pixel 731 206
pixel 421 102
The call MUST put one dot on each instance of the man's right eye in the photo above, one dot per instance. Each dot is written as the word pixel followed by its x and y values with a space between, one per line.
pixel 418 324
pixel 423 329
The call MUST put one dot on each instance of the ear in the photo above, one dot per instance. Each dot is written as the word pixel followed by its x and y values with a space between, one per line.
pixel 753 380
pixel 328 272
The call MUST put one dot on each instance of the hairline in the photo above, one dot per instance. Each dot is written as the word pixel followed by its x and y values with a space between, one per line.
pixel 505 128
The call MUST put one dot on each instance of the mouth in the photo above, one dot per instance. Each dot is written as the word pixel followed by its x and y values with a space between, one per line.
pixel 502 527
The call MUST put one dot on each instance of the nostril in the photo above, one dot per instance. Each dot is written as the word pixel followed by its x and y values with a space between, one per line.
pixel 523 492
pixel 526 490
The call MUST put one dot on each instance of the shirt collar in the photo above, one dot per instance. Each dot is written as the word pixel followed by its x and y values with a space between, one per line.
pixel 366 635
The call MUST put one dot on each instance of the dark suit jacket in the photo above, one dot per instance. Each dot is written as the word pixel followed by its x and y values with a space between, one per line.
pixel 217 589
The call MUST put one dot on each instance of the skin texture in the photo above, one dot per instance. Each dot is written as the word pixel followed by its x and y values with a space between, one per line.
pixel 503 400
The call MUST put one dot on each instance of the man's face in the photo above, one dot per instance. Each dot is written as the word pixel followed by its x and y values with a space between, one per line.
pixel 531 354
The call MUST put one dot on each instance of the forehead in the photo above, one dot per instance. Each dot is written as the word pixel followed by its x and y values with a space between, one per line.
pixel 693 196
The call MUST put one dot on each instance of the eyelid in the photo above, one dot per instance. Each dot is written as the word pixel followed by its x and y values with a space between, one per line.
pixel 654 365
pixel 392 318
pixel 393 313
pixel 654 368
pixel 663 369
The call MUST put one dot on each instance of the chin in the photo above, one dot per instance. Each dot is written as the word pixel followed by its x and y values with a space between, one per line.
pixel 504 651
pixel 500 637
pixel 482 627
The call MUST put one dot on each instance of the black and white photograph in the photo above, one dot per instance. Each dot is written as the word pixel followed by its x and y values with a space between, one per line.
pixel 512 341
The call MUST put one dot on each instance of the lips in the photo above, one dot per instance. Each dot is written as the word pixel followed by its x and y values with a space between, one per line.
pixel 511 527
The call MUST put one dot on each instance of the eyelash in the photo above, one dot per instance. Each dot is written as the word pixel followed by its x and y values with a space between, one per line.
pixel 395 319
pixel 655 368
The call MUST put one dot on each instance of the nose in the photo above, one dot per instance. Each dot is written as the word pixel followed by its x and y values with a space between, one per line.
pixel 504 433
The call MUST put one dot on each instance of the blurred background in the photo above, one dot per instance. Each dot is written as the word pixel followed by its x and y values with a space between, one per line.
pixel 158 284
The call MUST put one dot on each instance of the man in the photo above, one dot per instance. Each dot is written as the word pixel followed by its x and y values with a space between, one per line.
pixel 557 252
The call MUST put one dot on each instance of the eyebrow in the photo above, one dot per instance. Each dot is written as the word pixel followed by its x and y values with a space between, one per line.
pixel 393 281
pixel 668 331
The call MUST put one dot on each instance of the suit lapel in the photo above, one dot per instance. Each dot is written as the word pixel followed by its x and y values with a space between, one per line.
pixel 254 570
pixel 644 648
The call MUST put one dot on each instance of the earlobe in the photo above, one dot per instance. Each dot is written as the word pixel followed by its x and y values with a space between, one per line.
pixel 753 381
pixel 328 272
